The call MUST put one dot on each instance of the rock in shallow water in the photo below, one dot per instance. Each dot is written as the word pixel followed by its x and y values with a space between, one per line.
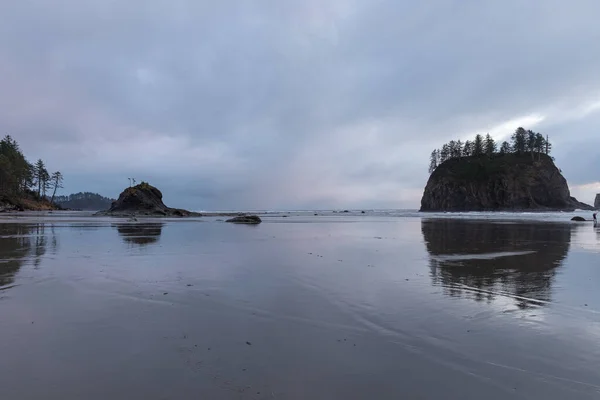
pixel 245 219
pixel 143 200
pixel 578 219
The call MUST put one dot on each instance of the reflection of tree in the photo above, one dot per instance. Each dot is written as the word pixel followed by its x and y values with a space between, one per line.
pixel 18 244
pixel 140 234
pixel 40 243
pixel 465 259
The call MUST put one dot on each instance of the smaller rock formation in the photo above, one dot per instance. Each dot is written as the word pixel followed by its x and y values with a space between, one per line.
pixel 143 200
pixel 597 201
pixel 245 219
pixel 578 219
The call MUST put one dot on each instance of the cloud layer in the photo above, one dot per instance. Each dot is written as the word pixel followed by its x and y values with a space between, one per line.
pixel 292 104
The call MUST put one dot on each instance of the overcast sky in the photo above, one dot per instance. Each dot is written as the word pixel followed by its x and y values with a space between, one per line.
pixel 279 104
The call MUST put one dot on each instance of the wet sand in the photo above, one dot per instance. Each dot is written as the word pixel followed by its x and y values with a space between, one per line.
pixel 299 308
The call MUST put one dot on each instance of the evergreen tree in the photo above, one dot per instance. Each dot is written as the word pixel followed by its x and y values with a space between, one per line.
pixel 433 161
pixel 41 177
pixel 540 144
pixel 505 148
pixel 530 144
pixel 468 149
pixel 490 145
pixel 459 148
pixel 519 141
pixel 454 149
pixel 56 182
pixel 444 153
pixel 478 145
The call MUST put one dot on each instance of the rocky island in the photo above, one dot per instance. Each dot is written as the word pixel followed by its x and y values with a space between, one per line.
pixel 521 176
pixel 143 200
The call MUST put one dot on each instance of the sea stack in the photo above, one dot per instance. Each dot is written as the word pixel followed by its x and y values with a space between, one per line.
pixel 510 182
pixel 143 200
pixel 597 201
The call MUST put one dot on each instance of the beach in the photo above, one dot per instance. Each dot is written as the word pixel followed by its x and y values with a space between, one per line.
pixel 381 305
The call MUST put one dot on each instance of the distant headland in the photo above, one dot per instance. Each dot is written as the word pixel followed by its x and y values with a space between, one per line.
pixel 479 176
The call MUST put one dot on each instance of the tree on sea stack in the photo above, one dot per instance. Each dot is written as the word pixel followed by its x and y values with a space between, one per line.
pixel 468 149
pixel 433 161
pixel 490 145
pixel 478 148
pixel 505 148
pixel 519 141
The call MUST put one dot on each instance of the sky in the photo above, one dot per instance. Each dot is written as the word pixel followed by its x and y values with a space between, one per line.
pixel 297 104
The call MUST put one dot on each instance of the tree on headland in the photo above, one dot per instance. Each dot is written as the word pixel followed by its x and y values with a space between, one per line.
pixel 41 177
pixel 18 177
pixel 56 182
pixel 521 142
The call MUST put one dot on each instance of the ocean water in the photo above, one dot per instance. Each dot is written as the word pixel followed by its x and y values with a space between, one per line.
pixel 386 305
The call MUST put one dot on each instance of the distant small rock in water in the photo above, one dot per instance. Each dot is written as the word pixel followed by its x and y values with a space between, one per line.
pixel 578 219
pixel 245 219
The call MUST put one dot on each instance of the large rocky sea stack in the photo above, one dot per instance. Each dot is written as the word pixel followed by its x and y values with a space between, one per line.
pixel 143 200
pixel 498 182
pixel 597 201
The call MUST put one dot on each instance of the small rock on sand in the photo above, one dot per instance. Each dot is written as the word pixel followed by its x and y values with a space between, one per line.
pixel 245 219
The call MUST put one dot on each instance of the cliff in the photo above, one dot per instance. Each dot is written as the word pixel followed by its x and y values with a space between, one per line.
pixel 597 201
pixel 501 182
pixel 143 200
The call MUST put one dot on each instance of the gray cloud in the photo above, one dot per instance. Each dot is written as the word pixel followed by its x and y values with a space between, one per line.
pixel 291 104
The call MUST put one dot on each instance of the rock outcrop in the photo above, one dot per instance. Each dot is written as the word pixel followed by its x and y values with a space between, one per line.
pixel 510 182
pixel 143 200
pixel 245 219
pixel 597 202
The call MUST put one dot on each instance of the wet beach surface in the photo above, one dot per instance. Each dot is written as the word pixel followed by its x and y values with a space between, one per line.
pixel 329 307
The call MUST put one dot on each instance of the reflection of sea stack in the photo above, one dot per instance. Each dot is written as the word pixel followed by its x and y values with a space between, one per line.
pixel 481 259
pixel 140 234
pixel 145 200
